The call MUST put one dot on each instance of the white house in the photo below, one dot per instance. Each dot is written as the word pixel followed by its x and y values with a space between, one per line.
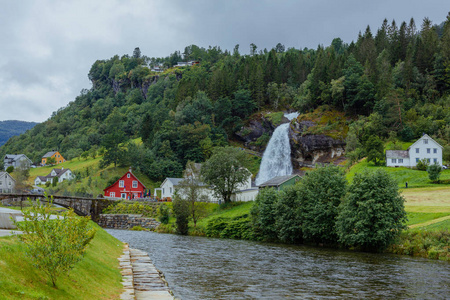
pixel 62 174
pixel 423 148
pixel 16 160
pixel 7 183
pixel 245 191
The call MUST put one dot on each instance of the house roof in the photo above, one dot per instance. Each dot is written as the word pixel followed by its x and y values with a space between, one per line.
pixel 15 157
pixel 49 154
pixel 42 178
pixel 175 181
pixel 7 174
pixel 278 180
pixel 397 154
pixel 425 136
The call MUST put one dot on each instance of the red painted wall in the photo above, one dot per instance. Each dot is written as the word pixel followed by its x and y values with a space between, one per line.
pixel 127 189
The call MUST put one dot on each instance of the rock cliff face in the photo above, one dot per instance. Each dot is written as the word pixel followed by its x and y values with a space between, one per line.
pixel 308 149
pixel 254 130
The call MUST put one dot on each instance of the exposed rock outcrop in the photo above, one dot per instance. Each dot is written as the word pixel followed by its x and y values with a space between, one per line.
pixel 254 130
pixel 309 149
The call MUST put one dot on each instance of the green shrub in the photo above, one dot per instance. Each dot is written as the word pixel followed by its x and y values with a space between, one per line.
pixel 164 214
pixel 372 214
pixel 54 245
pixel 215 226
pixel 434 172
pixel 422 164
pixel 181 213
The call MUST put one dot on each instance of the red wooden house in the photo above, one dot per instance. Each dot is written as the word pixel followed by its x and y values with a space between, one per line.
pixel 127 187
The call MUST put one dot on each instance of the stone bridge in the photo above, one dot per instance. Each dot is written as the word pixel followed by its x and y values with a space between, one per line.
pixel 81 206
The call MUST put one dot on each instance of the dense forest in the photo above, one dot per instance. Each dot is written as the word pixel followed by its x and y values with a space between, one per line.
pixel 13 127
pixel 393 83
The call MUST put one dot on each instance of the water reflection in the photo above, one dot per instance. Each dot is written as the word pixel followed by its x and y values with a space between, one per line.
pixel 207 268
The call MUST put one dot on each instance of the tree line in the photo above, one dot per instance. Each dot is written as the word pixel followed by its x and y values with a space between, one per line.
pixel 392 83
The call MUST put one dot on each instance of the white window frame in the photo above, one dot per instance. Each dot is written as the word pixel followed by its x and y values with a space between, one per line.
pixel 435 160
pixel 135 184
pixel 425 141
pixel 417 150
pixel 121 183
pixel 112 194
pixel 400 160
pixel 434 150
pixel 128 175
pixel 123 195
pixel 417 159
pixel 394 161
pixel 428 150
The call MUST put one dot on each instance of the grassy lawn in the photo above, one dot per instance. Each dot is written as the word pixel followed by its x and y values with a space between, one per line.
pixel 97 276
pixel 415 178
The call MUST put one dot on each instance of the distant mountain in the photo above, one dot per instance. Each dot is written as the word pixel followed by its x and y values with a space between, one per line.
pixel 13 127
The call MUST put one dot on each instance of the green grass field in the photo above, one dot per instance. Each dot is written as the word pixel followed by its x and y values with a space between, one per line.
pixel 415 178
pixel 97 276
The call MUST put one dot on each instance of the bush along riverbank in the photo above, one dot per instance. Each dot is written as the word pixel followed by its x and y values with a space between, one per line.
pixel 66 258
pixel 367 215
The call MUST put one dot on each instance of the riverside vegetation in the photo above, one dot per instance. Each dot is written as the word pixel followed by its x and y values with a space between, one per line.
pixel 32 263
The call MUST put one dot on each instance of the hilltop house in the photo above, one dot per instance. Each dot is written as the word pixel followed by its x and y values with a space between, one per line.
pixel 424 148
pixel 127 187
pixel 16 160
pixel 62 174
pixel 280 182
pixel 55 154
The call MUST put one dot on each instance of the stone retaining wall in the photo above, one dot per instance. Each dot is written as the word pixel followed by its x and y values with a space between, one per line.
pixel 126 221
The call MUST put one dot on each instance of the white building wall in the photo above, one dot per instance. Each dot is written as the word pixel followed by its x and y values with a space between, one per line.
pixel 426 148
pixel 167 189
pixel 397 162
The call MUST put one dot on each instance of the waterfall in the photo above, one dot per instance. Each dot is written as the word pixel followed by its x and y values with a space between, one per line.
pixel 276 160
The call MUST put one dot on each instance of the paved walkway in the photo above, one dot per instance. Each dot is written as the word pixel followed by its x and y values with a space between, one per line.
pixel 141 280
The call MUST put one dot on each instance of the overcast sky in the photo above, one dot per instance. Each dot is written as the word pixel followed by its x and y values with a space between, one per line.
pixel 47 47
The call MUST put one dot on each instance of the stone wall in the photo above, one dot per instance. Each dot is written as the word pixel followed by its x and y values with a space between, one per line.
pixel 126 221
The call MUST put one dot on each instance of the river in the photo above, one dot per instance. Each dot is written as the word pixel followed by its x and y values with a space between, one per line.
pixel 209 268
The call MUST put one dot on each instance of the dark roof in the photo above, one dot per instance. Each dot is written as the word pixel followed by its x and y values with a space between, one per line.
pixel 49 154
pixel 397 154
pixel 278 180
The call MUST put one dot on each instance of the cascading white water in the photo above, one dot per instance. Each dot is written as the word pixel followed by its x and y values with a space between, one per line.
pixel 276 160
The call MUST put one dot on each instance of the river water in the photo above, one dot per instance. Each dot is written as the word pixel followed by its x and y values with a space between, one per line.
pixel 209 268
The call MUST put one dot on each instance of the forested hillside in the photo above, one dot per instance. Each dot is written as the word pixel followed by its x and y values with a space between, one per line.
pixel 393 83
pixel 12 127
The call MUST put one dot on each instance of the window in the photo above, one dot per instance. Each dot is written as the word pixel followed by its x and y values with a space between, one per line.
pixel 123 196
pixel 170 189
pixel 128 175
pixel 417 150
pixel 1 182
pixel 425 141
pixel 435 160
pixel 428 150
pixel 121 183
pixel 10 183
pixel 428 160
pixel 434 150
pixel 163 191
pixel 112 194
pixel 417 160
pixel 400 160
pixel 134 183
pixel 394 161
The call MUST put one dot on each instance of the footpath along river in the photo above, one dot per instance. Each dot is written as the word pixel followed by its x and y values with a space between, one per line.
pixel 208 268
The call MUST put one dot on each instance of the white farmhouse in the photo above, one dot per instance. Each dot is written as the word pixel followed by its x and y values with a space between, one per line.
pixel 62 174
pixel 7 183
pixel 424 148
pixel 245 191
